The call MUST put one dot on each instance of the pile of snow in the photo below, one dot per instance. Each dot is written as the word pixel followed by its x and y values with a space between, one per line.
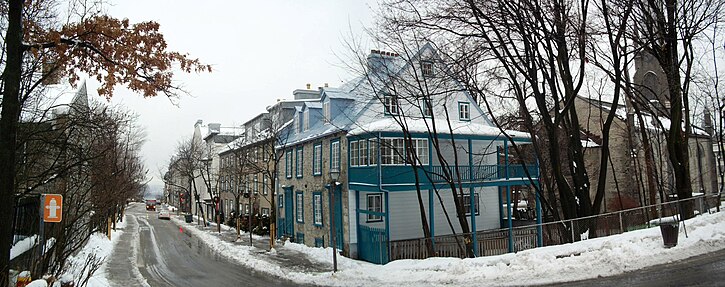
pixel 576 261
pixel 99 246
pixel 23 245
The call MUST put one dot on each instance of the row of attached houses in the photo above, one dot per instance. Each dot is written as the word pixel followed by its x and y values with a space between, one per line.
pixel 405 169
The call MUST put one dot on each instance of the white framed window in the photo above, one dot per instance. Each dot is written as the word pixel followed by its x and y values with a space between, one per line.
pixel 264 185
pixel 265 211
pixel 298 163
pixel 426 107
pixel 426 68
pixel 326 111
pixel 246 209
pixel 300 208
pixel 354 152
pixel 467 203
pixel 335 155
pixel 317 208
pixel 391 105
pixel 375 204
pixel 420 149
pixel 363 147
pixel 306 119
pixel 392 151
pixel 288 164
pixel 464 111
pixel 317 159
pixel 373 156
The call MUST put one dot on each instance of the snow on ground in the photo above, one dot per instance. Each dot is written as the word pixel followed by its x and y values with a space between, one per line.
pixel 581 260
pixel 22 246
pixel 99 246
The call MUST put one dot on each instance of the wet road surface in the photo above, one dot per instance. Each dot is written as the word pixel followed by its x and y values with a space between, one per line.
pixel 705 270
pixel 170 256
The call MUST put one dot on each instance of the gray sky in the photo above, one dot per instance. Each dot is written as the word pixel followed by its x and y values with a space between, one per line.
pixel 260 52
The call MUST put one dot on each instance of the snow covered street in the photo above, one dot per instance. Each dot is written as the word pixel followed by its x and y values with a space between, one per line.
pixel 593 258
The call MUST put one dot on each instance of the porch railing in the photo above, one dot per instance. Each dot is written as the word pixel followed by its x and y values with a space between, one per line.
pixel 496 242
pixel 483 172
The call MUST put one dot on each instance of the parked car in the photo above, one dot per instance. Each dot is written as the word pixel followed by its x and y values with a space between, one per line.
pixel 164 214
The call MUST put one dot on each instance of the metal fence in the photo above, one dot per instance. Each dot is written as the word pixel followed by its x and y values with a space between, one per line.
pixel 496 242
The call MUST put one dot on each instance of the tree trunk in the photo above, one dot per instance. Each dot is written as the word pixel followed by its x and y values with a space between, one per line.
pixel 8 131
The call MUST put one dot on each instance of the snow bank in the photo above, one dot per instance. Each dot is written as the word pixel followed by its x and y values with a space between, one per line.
pixel 23 246
pixel 581 260
pixel 99 246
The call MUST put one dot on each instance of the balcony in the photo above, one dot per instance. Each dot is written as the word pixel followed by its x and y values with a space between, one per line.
pixel 403 174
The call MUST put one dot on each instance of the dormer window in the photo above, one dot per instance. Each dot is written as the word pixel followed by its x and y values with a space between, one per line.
pixel 464 111
pixel 426 107
pixel 426 68
pixel 306 119
pixel 391 105
pixel 326 111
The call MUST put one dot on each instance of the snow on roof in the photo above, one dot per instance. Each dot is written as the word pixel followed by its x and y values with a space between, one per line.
pixel 338 93
pixel 313 105
pixel 425 126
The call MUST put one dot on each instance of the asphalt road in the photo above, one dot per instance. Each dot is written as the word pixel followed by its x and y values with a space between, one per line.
pixel 169 256
pixel 706 270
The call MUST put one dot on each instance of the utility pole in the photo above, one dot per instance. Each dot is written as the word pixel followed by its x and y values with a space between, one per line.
pixel 334 175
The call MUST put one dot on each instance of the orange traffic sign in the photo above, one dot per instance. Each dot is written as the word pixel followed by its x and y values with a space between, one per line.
pixel 52 207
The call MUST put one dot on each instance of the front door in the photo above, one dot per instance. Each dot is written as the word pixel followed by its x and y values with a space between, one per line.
pixel 336 213
pixel 288 213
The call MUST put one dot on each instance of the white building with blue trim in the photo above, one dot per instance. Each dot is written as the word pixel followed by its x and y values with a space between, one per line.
pixel 400 156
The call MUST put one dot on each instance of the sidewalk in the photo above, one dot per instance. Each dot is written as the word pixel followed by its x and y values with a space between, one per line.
pixel 282 256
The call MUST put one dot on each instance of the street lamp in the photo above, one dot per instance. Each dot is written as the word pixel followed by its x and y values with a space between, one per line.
pixel 334 175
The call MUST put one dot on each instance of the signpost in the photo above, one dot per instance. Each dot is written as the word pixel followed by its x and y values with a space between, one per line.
pixel 52 207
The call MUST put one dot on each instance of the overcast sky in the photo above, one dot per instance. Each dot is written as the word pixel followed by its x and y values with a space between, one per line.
pixel 260 51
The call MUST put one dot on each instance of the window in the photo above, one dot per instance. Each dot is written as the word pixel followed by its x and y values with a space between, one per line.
pixel 426 68
pixel 354 151
pixel 319 242
pixel 391 151
pixel 426 107
pixel 373 144
pixel 300 238
pixel 420 149
pixel 375 204
pixel 464 111
pixel 317 159
pixel 246 209
pixel 300 208
pixel 288 164
pixel 265 211
pixel 326 111
pixel 255 187
pixel 306 119
pixel 264 185
pixel 363 152
pixel 280 201
pixel 317 208
pixel 335 154
pixel 391 105
pixel 467 203
pixel 298 163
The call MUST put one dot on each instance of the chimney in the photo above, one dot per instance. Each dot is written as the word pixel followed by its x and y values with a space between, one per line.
pixel 214 128
pixel 378 60
pixel 708 122
pixel 198 123
pixel 309 86
pixel 326 85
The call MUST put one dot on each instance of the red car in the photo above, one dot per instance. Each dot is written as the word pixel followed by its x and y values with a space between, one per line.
pixel 151 204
